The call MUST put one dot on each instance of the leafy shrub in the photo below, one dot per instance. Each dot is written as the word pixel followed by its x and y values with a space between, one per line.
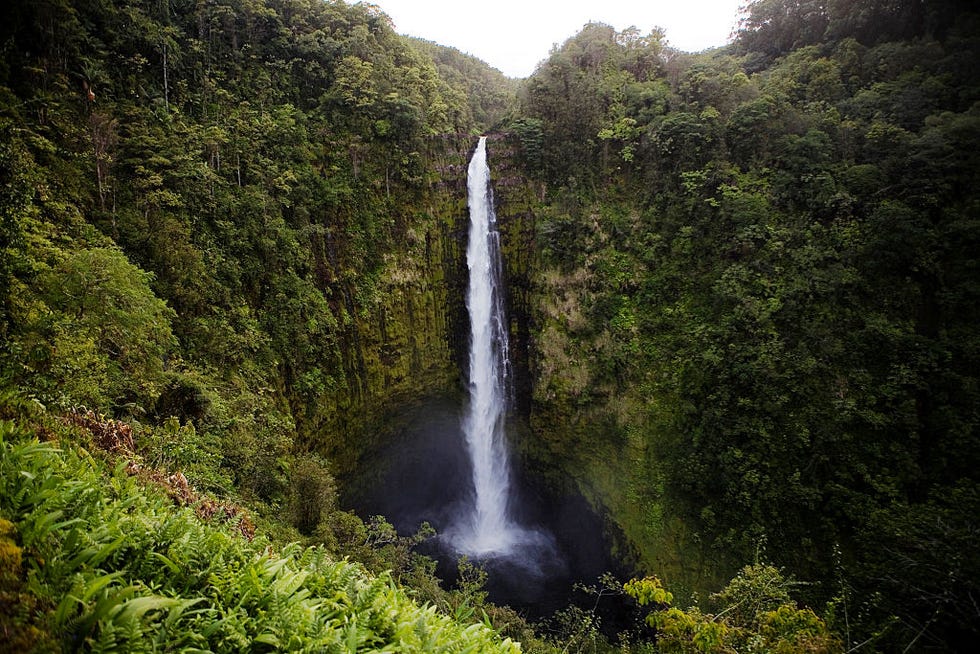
pixel 312 494
pixel 756 615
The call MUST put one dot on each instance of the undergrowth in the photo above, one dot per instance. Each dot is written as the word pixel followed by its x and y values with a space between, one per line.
pixel 97 560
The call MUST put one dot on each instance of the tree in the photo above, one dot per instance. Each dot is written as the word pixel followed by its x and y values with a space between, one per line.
pixel 101 296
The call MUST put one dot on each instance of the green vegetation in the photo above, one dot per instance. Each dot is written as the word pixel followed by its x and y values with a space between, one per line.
pixel 226 256
pixel 228 213
pixel 102 561
pixel 756 315
pixel 489 95
pixel 743 285
pixel 756 615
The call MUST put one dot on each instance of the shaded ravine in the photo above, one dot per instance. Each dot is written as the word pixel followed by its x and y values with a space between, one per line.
pixel 447 463
pixel 424 475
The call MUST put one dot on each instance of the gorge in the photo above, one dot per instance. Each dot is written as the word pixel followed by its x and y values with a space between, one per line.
pixel 459 478
pixel 243 358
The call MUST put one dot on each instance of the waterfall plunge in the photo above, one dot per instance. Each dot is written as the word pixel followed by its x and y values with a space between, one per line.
pixel 477 505
pixel 489 529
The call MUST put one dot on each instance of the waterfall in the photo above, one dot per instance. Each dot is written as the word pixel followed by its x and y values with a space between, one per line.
pixel 488 529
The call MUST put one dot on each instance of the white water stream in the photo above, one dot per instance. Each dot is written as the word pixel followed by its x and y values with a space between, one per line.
pixel 489 529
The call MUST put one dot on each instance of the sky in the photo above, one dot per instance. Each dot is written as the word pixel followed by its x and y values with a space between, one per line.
pixel 515 35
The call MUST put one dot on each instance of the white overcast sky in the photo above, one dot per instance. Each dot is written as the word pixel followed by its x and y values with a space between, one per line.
pixel 515 35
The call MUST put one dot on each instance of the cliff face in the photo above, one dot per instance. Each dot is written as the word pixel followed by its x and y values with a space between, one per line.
pixel 516 198
pixel 410 345
pixel 407 343
pixel 579 431
pixel 561 433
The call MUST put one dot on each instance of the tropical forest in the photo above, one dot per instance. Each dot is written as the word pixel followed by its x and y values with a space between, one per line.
pixel 319 337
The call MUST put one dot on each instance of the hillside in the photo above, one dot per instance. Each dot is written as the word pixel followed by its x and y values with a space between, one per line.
pixel 755 306
pixel 224 229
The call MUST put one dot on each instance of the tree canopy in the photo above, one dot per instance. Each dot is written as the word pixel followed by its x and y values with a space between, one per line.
pixel 758 276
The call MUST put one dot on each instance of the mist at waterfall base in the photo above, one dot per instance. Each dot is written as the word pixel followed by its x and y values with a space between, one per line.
pixel 426 476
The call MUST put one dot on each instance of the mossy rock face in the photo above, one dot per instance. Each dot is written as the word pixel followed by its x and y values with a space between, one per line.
pixel 409 346
pixel 517 199
pixel 586 432
pixel 408 341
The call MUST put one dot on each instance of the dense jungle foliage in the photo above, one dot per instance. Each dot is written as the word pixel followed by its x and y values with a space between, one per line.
pixel 757 316
pixel 203 204
pixel 228 237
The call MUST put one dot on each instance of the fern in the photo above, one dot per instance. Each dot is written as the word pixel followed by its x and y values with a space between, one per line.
pixel 126 570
